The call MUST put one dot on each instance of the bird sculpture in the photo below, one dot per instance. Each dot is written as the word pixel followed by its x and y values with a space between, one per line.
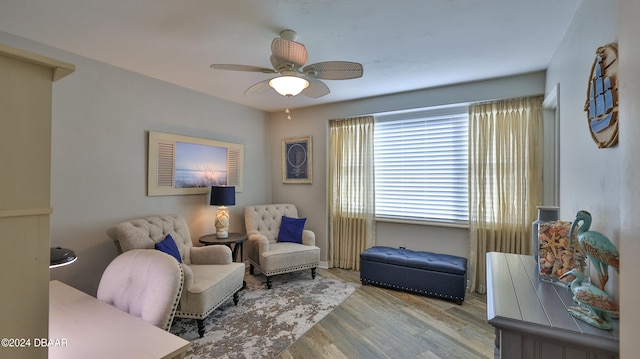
pixel 596 246
pixel 595 307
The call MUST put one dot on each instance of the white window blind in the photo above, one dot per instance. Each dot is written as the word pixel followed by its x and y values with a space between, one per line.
pixel 421 166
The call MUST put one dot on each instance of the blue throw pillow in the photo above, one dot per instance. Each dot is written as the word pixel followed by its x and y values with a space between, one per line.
pixel 168 245
pixel 291 229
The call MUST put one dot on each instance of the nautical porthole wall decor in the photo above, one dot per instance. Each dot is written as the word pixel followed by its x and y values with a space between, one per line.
pixel 602 97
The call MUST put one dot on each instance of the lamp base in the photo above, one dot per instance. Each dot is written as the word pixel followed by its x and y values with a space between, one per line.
pixel 222 222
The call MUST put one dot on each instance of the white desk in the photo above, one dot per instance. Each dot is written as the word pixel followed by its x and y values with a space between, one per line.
pixel 84 327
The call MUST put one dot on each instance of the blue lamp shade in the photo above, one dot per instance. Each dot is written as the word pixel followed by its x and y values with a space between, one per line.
pixel 223 196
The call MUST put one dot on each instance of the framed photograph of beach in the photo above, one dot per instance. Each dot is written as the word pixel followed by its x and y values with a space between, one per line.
pixel 297 161
pixel 181 165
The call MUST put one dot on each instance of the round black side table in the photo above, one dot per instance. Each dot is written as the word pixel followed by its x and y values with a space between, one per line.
pixel 237 239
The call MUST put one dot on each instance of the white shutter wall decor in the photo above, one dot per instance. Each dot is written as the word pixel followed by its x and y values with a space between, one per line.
pixel 166 161
pixel 162 162
pixel 233 167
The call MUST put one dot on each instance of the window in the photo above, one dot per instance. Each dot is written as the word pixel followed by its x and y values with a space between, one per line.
pixel 421 166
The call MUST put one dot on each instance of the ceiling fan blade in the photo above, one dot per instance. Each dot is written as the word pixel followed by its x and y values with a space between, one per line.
pixel 334 70
pixel 259 88
pixel 289 51
pixel 247 68
pixel 316 88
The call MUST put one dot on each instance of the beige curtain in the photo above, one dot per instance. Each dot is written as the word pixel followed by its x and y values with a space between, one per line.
pixel 351 191
pixel 505 179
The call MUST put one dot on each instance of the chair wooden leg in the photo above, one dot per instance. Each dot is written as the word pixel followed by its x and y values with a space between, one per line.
pixel 269 283
pixel 236 297
pixel 250 268
pixel 200 323
pixel 313 273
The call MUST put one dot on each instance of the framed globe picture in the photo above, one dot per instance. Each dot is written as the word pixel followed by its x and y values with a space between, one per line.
pixel 296 160
pixel 601 104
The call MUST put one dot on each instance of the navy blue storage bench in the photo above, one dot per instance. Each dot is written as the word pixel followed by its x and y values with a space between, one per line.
pixel 439 275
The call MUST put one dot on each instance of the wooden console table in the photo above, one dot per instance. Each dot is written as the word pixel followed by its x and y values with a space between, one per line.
pixel 531 318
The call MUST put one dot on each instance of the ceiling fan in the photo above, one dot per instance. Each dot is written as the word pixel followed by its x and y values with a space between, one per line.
pixel 288 58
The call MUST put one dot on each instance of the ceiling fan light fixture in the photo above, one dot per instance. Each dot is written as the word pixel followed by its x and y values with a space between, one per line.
pixel 288 85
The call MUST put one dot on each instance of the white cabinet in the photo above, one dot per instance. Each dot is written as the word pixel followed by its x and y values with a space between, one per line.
pixel 25 206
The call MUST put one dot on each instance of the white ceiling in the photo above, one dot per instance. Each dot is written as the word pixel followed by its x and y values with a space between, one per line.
pixel 403 45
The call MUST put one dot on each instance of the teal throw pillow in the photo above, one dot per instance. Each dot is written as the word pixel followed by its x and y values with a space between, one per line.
pixel 168 245
pixel 291 229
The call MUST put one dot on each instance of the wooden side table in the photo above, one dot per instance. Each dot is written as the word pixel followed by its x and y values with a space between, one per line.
pixel 237 239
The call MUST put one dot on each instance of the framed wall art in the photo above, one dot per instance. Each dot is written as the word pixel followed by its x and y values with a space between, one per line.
pixel 601 104
pixel 180 165
pixel 297 160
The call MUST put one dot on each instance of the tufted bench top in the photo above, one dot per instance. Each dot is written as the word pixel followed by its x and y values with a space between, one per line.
pixel 422 260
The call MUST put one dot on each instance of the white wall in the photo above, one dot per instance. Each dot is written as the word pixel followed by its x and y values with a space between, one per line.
pixel 589 176
pixel 101 115
pixel 311 199
pixel 604 181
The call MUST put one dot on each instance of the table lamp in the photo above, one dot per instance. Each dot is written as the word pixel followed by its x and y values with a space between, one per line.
pixel 222 196
pixel 61 257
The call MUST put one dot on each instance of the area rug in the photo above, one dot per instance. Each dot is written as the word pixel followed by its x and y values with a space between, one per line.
pixel 266 321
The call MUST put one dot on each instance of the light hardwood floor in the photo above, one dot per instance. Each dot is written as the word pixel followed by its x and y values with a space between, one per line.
pixel 383 323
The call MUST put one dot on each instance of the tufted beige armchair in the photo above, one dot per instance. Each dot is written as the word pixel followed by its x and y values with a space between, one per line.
pixel 210 276
pixel 269 256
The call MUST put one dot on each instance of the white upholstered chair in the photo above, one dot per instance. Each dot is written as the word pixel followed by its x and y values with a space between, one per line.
pixel 144 283
pixel 270 255
pixel 210 275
